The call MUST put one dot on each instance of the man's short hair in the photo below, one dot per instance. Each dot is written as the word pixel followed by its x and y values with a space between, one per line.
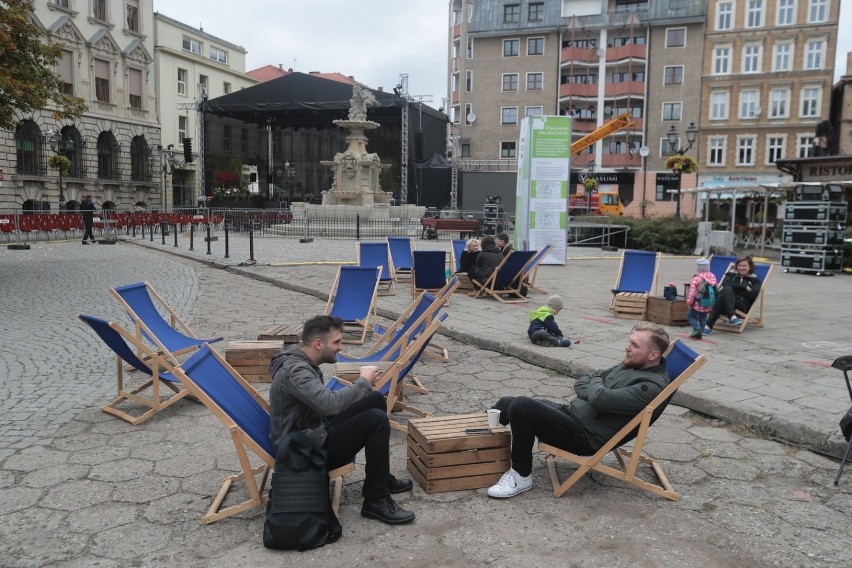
pixel 503 237
pixel 486 242
pixel 659 337
pixel 320 326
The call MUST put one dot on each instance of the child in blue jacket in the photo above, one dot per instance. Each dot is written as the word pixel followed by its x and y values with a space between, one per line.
pixel 543 329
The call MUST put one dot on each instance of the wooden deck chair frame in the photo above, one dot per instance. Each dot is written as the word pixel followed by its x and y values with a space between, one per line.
pixel 149 363
pixel 632 304
pixel 255 477
pixel 143 330
pixel 754 316
pixel 400 272
pixel 488 287
pixel 628 459
pixel 386 280
pixel 531 271
pixel 355 327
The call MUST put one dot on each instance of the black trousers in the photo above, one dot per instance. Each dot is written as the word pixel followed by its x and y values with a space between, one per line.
pixel 362 425
pixel 726 305
pixel 551 422
pixel 87 225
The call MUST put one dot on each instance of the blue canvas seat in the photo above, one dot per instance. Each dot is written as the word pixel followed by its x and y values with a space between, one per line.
pixel 636 280
pixel 531 270
pixel 681 363
pixel 246 415
pixel 172 337
pixel 429 271
pixel 507 279
pixel 719 265
pixel 401 257
pixel 116 338
pixel 353 299
pixel 375 254
pixel 458 248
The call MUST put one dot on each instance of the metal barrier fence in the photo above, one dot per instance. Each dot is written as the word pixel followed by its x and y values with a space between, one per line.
pixel 597 232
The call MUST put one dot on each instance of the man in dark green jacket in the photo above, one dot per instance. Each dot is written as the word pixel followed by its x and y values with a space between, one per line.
pixel 606 401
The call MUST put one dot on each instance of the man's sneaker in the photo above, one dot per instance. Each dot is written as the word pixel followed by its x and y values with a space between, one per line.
pixel 510 485
pixel 734 320
pixel 707 330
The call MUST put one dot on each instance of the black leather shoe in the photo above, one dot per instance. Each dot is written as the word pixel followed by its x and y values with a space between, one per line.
pixel 400 485
pixel 386 511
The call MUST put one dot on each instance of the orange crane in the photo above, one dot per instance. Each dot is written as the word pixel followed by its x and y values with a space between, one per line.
pixel 614 125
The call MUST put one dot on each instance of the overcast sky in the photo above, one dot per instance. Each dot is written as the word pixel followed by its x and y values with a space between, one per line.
pixel 374 40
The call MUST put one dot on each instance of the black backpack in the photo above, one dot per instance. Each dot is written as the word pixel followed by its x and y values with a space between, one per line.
pixel 298 514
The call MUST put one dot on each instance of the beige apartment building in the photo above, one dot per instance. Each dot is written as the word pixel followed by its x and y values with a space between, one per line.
pixel 193 65
pixel 108 61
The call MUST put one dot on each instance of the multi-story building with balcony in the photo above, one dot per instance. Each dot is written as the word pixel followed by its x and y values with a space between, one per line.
pixel 107 59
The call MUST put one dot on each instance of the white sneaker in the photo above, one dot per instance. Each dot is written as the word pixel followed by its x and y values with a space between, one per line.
pixel 734 320
pixel 510 484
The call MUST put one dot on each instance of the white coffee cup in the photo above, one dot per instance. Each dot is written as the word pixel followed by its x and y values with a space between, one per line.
pixel 368 369
pixel 493 417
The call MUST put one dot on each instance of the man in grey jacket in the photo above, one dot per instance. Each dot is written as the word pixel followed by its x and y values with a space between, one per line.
pixel 606 401
pixel 341 422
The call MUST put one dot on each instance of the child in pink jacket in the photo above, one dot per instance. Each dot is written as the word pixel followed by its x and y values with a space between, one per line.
pixel 698 308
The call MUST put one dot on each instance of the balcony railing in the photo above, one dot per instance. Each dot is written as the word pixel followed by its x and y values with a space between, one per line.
pixel 633 88
pixel 621 160
pixel 579 54
pixel 626 51
pixel 578 90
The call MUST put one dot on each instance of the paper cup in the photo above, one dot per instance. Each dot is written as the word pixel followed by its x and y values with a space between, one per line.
pixel 367 369
pixel 493 418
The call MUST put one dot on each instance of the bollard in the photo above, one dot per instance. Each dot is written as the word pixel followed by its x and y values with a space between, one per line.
pixel 358 227
pixel 163 231
pixel 176 231
pixel 191 235
pixel 208 239
pixel 134 231
pixel 143 231
pixel 151 230
pixel 251 244
pixel 226 242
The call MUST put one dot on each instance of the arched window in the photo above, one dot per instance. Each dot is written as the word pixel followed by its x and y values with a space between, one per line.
pixel 74 151
pixel 139 159
pixel 108 150
pixel 29 148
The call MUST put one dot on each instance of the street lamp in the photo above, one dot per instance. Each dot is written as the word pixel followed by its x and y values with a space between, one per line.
pixel 290 170
pixel 674 142
pixel 61 146
pixel 591 166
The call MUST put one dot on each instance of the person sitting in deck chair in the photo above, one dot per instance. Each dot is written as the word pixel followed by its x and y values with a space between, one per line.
pixel 488 259
pixel 341 422
pixel 606 401
pixel 737 291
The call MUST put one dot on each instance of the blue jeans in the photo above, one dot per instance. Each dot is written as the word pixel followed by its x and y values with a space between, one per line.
pixel 696 319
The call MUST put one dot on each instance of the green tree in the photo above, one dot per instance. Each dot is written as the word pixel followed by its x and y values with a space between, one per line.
pixel 27 79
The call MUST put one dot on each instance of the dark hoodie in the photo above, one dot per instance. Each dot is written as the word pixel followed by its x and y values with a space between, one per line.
pixel 299 400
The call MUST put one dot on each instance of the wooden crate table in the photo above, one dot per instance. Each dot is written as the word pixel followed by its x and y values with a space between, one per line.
pixel 288 333
pixel 442 457
pixel 667 312
pixel 251 358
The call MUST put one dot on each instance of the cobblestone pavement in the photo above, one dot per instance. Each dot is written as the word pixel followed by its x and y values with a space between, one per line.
pixel 81 488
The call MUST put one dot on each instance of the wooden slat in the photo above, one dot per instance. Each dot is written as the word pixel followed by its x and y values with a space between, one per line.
pixel 288 333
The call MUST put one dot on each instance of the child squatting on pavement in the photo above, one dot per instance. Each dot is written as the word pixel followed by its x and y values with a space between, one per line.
pixel 543 329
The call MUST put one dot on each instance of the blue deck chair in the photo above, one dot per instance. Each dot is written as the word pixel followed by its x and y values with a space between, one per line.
pixel 400 252
pixel 353 299
pixel 719 265
pixel 375 254
pixel 636 280
pixel 754 316
pixel 531 271
pixel 681 363
pixel 429 271
pixel 116 338
pixel 392 380
pixel 458 248
pixel 246 415
pixel 507 278
pixel 172 337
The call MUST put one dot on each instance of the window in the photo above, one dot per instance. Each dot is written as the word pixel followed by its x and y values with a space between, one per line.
pixel 749 104
pixel 752 53
pixel 469 50
pixel 779 103
pixel 65 70
pixel 677 4
pixel 63 3
pixel 134 77
pixel 455 82
pixel 534 111
pixel 716 151
pixel 783 56
pixel 219 55
pixel 724 15
pixel 511 47
pixel 675 37
pixel 817 11
pixel 468 110
pixel 804 145
pixel 785 16
pixel 133 15
pixel 465 150
pixel 102 80
pixel 226 137
pixel 108 156
pixel 511 13
pixel 192 45
pixel 721 59
pixel 719 101
pixel 509 115
pixel 139 159
pixel 99 10
pixel 182 128
pixel 814 54
pixel 754 12
pixel 28 147
pixel 745 150
pixel 510 82
pixel 671 111
pixel 202 84
pixel 774 149
pixel 181 81
pixel 535 81
pixel 226 88
pixel 810 101
pixel 468 80
pixel 536 11
pixel 508 149
pixel 535 46
pixel 674 75
pixel 668 149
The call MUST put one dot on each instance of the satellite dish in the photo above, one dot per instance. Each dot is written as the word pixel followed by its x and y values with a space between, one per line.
pixel 644 151
pixel 471 118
